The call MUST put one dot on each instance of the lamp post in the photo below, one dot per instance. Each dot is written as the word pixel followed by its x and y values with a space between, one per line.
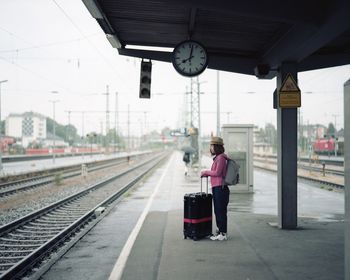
pixel 335 134
pixel 54 126
pixel 116 120
pixel 1 82
pixel 91 137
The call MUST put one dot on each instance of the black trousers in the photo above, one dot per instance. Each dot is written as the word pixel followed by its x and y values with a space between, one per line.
pixel 220 199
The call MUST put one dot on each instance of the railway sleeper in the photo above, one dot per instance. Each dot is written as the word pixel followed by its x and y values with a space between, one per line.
pixel 20 246
pixel 9 258
pixel 50 222
pixel 50 226
pixel 32 236
pixel 43 223
pixel 4 253
pixel 76 207
pixel 33 229
pixel 6 266
pixel 71 212
pixel 55 219
pixel 24 241
pixel 63 217
pixel 72 217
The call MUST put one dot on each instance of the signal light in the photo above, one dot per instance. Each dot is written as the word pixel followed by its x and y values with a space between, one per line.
pixel 145 79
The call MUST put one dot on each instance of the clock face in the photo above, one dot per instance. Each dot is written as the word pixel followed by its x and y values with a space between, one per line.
pixel 190 58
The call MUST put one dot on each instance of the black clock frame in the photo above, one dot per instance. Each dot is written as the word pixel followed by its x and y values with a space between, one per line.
pixel 179 70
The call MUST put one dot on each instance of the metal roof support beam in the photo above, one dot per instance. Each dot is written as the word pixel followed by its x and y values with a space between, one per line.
pixel 192 22
pixel 218 62
pixel 153 55
pixel 322 61
pixel 287 156
pixel 304 39
pixel 232 63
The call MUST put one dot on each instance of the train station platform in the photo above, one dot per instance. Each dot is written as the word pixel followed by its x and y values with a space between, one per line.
pixel 142 237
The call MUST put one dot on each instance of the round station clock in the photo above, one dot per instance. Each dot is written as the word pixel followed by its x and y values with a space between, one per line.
pixel 190 58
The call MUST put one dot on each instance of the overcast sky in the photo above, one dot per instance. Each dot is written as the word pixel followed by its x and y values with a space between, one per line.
pixel 55 45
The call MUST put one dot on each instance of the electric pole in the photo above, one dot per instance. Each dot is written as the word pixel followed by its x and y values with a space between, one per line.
pixel 107 117
pixel 1 167
pixel 68 132
pixel 128 128
pixel 115 121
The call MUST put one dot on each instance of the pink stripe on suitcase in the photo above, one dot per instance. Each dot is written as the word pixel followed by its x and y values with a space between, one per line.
pixel 197 221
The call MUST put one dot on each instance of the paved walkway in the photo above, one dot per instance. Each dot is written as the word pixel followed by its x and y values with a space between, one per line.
pixel 254 250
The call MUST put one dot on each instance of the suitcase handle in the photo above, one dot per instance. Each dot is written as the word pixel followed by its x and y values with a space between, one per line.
pixel 207 184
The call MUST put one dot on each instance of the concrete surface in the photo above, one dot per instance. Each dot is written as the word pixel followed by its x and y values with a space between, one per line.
pixel 254 250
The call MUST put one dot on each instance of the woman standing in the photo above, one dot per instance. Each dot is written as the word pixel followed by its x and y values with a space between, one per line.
pixel 220 192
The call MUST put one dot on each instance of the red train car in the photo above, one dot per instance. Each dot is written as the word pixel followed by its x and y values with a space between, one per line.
pixel 328 146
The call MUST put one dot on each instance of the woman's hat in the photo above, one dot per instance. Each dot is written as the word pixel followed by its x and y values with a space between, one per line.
pixel 216 141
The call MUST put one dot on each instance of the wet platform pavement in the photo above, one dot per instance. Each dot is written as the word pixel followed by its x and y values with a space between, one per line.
pixel 254 249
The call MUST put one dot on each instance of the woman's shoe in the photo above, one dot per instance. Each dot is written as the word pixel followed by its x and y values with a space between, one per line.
pixel 221 236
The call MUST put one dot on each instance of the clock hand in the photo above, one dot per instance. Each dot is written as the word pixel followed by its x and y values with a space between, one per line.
pixel 190 57
pixel 184 60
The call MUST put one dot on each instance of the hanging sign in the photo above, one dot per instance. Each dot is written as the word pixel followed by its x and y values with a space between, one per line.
pixel 289 94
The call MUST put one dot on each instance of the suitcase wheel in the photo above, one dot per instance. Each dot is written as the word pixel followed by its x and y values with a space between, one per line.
pixel 195 238
pixel 185 236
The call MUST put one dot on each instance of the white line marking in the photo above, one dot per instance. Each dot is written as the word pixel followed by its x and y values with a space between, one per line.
pixel 119 266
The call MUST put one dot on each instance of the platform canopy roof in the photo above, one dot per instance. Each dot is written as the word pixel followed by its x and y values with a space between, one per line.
pixel 250 36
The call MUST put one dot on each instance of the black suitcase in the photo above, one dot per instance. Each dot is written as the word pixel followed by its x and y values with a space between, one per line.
pixel 198 214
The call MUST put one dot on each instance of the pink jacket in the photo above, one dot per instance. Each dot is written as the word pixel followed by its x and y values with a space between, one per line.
pixel 218 170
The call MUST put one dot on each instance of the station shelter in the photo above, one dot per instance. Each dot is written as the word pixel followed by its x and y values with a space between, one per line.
pixel 263 38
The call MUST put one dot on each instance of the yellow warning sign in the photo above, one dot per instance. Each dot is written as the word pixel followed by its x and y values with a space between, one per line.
pixel 289 94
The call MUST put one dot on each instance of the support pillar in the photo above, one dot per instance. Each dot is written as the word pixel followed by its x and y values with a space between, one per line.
pixel 347 176
pixel 287 156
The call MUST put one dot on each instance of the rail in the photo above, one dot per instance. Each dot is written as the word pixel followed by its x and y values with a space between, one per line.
pixel 25 242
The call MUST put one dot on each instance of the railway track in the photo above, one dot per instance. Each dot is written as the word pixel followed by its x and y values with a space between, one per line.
pixel 319 159
pixel 14 187
pixel 336 171
pixel 30 241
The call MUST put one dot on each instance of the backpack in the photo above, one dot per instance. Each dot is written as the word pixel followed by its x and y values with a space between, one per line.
pixel 186 157
pixel 232 173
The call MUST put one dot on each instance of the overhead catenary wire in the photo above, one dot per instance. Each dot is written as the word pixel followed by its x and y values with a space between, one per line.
pixel 89 41
pixel 33 46
pixel 53 44
pixel 35 74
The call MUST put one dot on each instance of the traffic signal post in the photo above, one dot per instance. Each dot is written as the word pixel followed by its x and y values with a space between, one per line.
pixel 145 79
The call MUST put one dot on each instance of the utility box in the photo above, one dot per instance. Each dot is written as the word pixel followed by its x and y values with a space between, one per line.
pixel 238 143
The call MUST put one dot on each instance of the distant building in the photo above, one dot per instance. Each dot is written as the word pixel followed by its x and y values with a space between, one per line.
pixel 28 126
pixel 49 141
